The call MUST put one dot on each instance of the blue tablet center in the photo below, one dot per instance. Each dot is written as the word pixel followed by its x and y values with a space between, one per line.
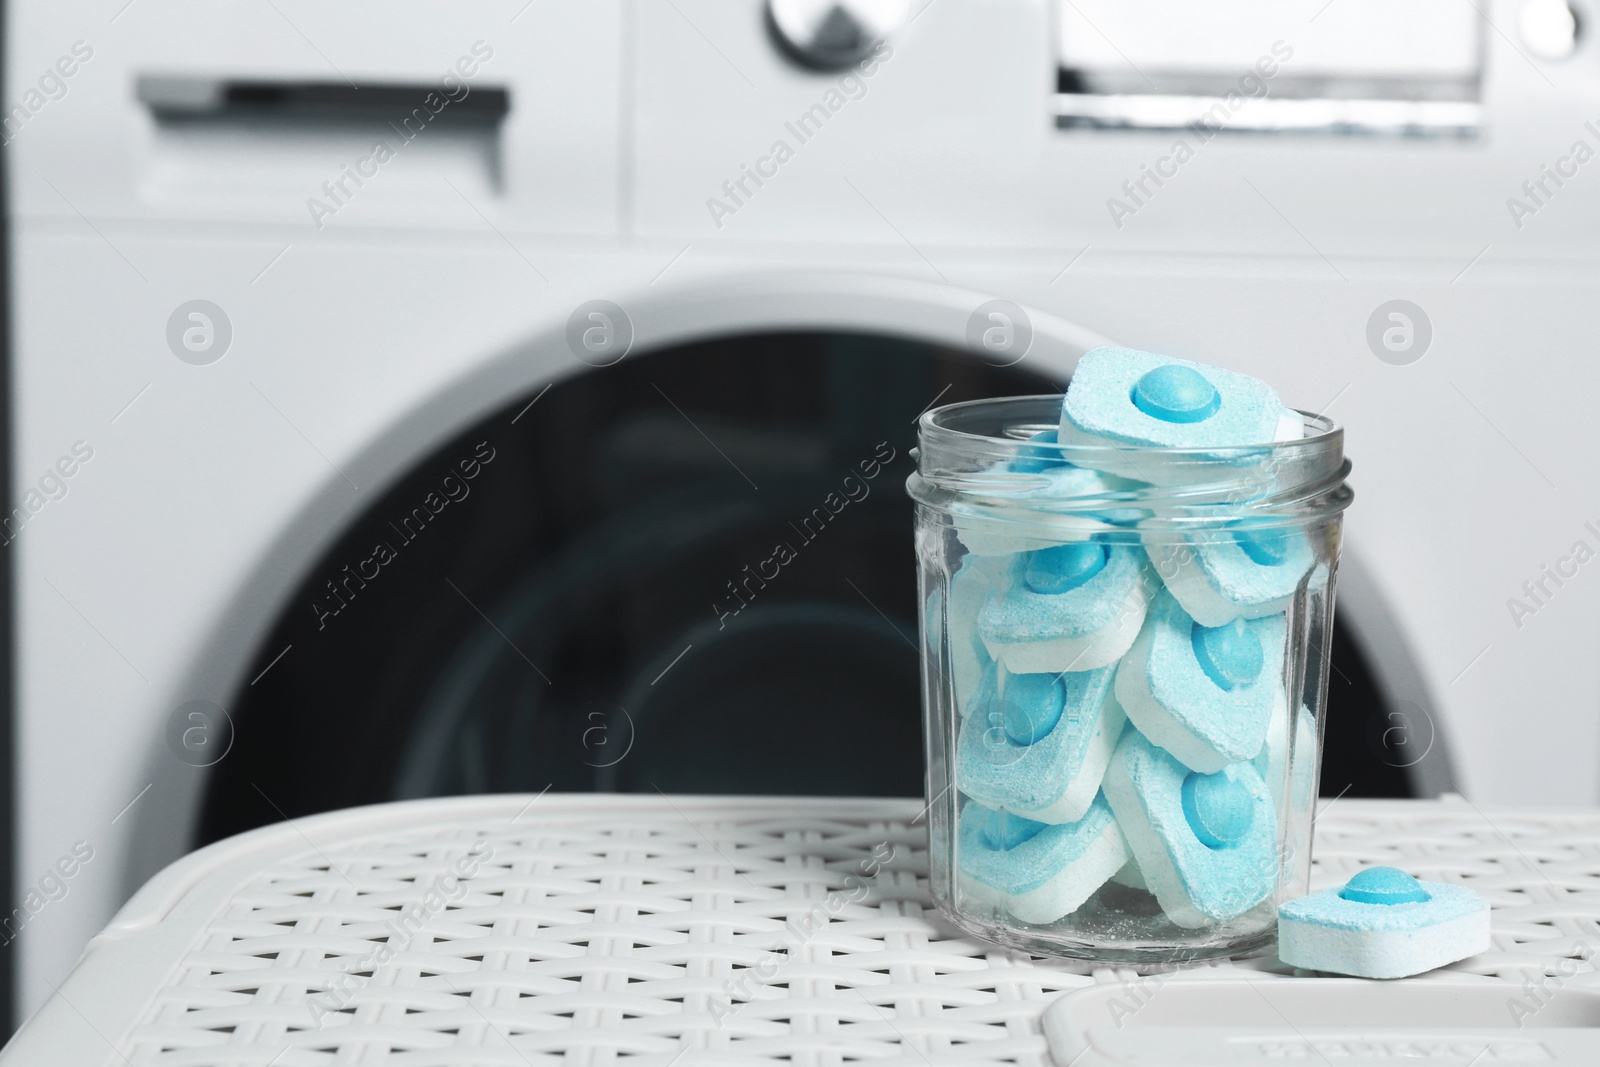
pixel 1230 654
pixel 1267 547
pixel 1175 393
pixel 1005 831
pixel 1039 454
pixel 1031 707
pixel 1218 808
pixel 1064 567
pixel 1383 885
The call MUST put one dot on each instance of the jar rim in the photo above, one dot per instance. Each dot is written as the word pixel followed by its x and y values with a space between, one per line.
pixel 973 467
pixel 1328 432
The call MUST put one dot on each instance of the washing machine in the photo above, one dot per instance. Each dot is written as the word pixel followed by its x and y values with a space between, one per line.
pixel 409 400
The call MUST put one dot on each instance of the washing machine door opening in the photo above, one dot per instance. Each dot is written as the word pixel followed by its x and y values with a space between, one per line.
pixel 689 572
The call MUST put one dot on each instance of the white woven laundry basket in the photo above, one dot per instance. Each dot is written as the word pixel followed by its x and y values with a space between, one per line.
pixel 650 931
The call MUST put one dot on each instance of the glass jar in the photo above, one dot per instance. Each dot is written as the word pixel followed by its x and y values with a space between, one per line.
pixel 1124 666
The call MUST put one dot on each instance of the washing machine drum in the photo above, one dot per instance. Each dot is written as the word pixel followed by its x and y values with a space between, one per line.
pixel 692 571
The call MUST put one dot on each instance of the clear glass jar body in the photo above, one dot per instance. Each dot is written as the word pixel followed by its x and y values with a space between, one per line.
pixel 1124 670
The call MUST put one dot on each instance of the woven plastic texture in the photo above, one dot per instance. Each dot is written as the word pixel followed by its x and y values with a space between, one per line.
pixel 732 932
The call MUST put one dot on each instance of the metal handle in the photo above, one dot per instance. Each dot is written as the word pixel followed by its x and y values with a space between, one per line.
pixel 829 34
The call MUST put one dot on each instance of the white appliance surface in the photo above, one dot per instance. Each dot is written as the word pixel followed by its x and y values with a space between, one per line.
pixel 441 290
